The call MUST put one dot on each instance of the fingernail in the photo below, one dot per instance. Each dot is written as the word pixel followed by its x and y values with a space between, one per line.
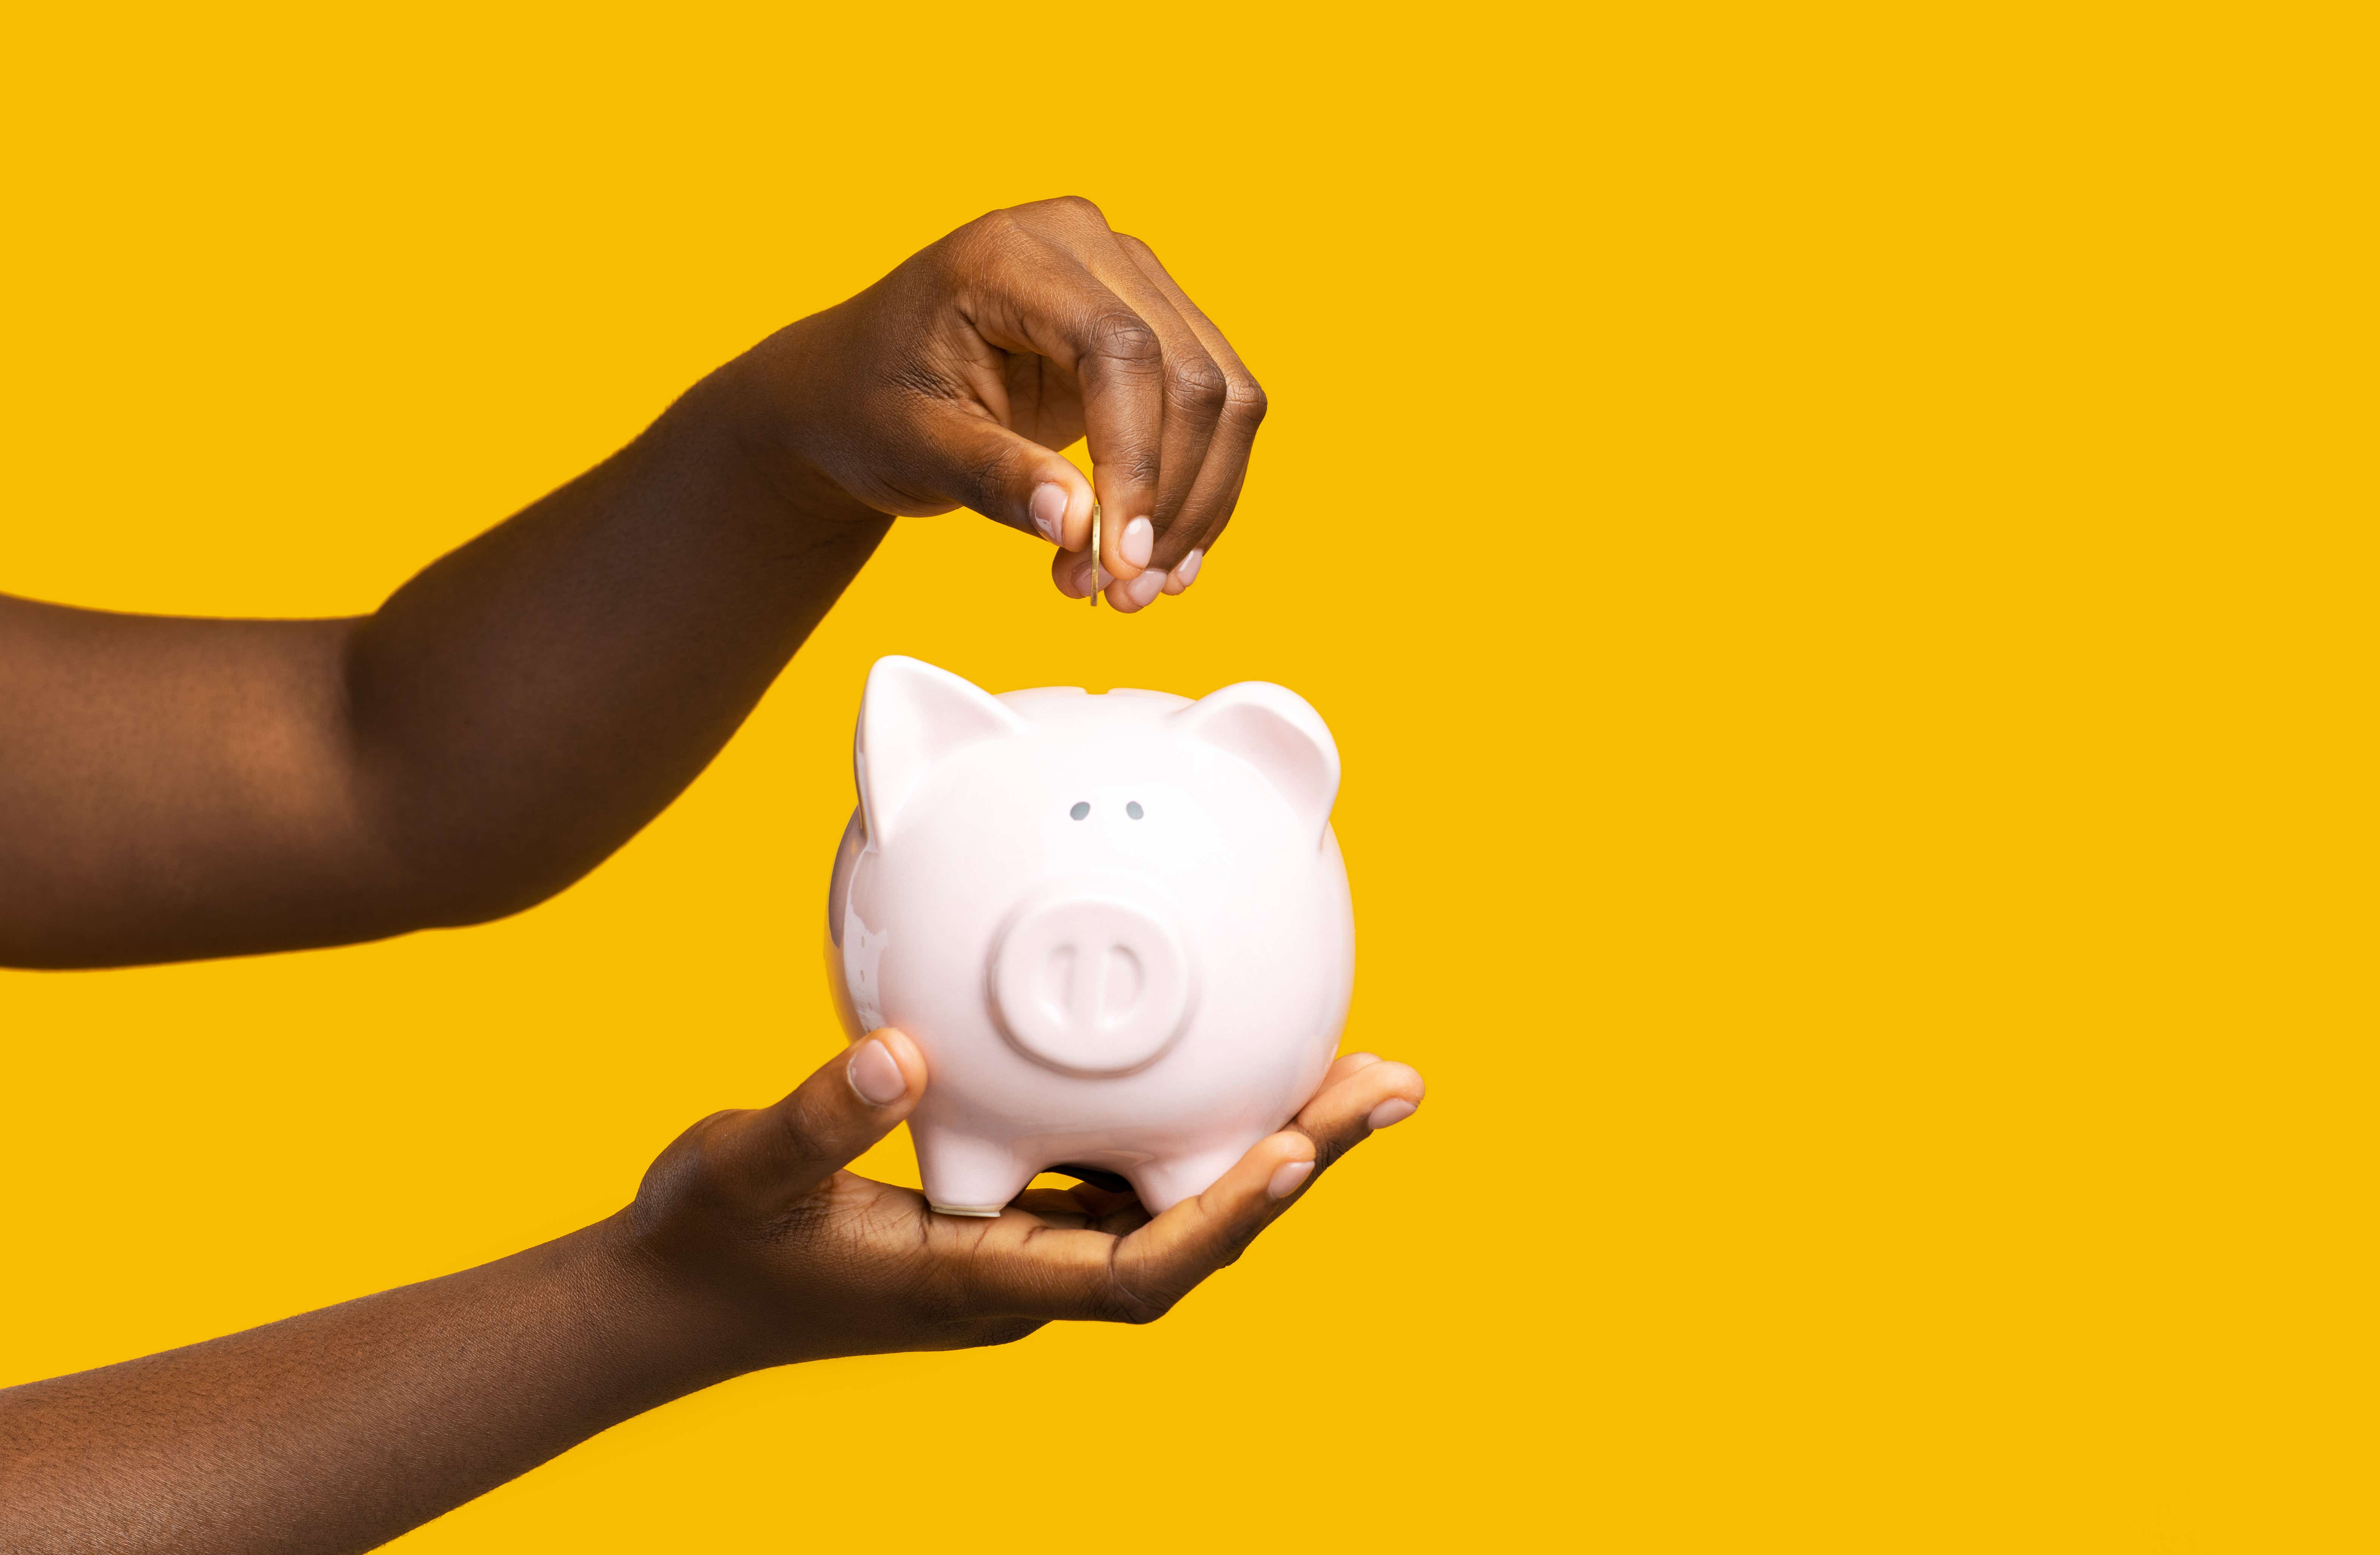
pixel 1395 1110
pixel 1050 512
pixel 1145 588
pixel 874 1076
pixel 1105 576
pixel 1287 1176
pixel 1186 571
pixel 1140 537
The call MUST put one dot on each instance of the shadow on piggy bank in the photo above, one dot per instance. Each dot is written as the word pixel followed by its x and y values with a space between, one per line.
pixel 1118 926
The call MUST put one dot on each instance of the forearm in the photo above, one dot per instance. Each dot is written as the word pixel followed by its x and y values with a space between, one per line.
pixel 179 788
pixel 526 704
pixel 340 1428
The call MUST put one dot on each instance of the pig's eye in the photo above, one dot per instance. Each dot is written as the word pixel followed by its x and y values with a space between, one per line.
pixel 1133 810
pixel 1080 810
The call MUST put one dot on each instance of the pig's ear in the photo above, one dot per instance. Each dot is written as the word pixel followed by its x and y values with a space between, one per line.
pixel 1277 732
pixel 911 716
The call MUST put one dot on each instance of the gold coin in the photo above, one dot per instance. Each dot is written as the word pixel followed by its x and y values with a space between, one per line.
pixel 1095 556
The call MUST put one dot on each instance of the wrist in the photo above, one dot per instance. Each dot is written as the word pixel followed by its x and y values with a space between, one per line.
pixel 695 1331
pixel 765 408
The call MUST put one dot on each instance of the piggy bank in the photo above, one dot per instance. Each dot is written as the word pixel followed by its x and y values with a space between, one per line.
pixel 1118 926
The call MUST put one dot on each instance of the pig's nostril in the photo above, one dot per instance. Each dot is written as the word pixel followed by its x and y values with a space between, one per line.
pixel 1057 987
pixel 1119 989
pixel 1080 810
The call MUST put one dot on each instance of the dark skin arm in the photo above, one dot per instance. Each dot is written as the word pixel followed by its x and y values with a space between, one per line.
pixel 174 788
pixel 746 1247
pixel 178 788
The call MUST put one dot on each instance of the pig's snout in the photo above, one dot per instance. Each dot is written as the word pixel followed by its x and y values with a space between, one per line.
pixel 1091 979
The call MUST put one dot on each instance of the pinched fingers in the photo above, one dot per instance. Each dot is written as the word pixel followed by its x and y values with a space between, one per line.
pixel 1196 390
pixel 1168 406
pixel 1072 570
pixel 1043 279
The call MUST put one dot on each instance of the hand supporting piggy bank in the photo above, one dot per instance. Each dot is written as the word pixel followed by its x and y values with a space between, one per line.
pixel 1118 926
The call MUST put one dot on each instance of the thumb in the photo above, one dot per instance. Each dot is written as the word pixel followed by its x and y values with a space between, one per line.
pixel 1006 476
pixel 853 1099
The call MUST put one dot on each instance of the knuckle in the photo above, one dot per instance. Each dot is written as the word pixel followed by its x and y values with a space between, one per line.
pixel 699 1174
pixel 1125 338
pixel 712 1143
pixel 1072 209
pixel 1198 381
pixel 1248 401
pixel 981 243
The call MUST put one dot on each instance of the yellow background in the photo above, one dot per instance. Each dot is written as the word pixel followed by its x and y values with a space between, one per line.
pixel 1831 540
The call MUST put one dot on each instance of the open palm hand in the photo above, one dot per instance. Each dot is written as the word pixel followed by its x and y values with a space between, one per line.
pixel 755 1209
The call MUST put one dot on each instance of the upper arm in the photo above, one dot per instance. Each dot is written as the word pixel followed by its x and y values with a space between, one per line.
pixel 172 788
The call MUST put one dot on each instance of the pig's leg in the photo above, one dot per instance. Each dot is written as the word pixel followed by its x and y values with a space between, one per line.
pixel 966 1175
pixel 1163 1183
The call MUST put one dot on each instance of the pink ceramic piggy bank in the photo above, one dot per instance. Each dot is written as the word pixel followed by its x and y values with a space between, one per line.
pixel 1118 926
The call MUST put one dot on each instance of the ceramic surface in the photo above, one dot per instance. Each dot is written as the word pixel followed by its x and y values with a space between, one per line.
pixel 1117 925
